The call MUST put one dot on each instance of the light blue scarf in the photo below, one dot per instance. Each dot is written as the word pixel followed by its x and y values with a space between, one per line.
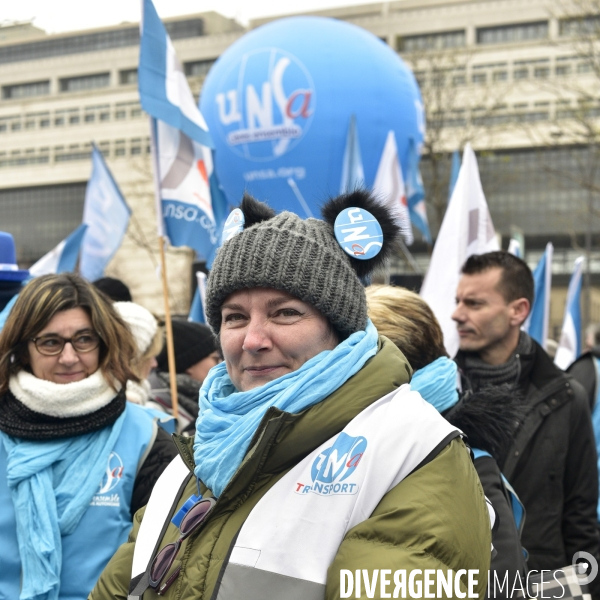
pixel 228 419
pixel 436 382
pixel 52 484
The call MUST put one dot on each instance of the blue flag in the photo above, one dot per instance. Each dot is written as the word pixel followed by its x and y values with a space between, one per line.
pixel 63 257
pixel 415 193
pixel 454 171
pixel 164 91
pixel 106 214
pixel 353 175
pixel 537 321
pixel 569 346
pixel 181 145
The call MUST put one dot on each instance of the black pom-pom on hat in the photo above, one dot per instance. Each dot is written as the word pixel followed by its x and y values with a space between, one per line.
pixel 384 215
pixel 255 211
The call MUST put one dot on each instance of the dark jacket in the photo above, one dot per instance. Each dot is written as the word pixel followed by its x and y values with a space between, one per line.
pixel 477 415
pixel 187 396
pixel 584 370
pixel 551 463
pixel 161 454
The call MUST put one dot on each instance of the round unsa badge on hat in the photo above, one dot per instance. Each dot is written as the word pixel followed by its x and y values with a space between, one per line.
pixel 359 233
pixel 233 225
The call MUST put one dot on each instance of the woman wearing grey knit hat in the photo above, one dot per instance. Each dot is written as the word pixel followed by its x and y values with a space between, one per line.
pixel 314 466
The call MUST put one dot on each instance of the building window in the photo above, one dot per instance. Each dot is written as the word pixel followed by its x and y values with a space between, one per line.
pixel 25 90
pixel 521 73
pixel 500 75
pixel 128 77
pixel 104 147
pixel 198 68
pixel 431 41
pixel 85 82
pixel 56 208
pixel 45 122
pixel 505 34
pixel 584 67
pixel 136 147
pixel 120 148
pixel 579 26
pixel 74 120
pixel 479 78
pixel 89 117
pixel 458 80
pixel 90 42
pixel 562 70
pixel 541 72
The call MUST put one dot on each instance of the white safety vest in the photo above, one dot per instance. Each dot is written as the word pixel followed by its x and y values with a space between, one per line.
pixel 292 535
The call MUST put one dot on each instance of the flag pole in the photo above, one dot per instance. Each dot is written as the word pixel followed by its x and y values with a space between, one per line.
pixel 169 328
pixel 163 271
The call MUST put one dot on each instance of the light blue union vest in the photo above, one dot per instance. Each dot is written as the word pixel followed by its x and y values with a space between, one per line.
pixel 103 527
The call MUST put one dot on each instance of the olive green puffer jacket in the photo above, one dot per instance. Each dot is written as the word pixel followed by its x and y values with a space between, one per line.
pixel 436 518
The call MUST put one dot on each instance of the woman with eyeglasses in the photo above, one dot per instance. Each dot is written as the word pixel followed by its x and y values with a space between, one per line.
pixel 76 460
pixel 314 470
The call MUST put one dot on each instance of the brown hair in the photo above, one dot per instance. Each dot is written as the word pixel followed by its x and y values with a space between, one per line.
pixel 37 304
pixel 407 320
pixel 516 280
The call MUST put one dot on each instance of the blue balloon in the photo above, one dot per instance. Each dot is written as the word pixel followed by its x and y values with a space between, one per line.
pixel 279 101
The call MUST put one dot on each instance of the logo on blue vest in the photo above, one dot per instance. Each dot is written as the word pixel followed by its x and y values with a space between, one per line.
pixel 333 468
pixel 112 475
pixel 266 104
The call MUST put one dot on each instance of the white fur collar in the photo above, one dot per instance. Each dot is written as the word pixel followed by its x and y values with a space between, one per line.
pixel 62 399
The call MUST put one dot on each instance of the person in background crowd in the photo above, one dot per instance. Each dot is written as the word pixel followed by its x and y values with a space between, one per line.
pixel 309 459
pixel 195 354
pixel 76 460
pixel 551 461
pixel 592 336
pixel 11 277
pixel 114 288
pixel 585 368
pixel 149 340
pixel 487 417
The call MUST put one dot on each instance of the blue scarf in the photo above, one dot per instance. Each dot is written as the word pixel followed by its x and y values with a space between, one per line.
pixel 52 484
pixel 228 419
pixel 436 382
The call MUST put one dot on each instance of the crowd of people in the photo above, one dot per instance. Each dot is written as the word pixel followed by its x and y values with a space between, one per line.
pixel 322 429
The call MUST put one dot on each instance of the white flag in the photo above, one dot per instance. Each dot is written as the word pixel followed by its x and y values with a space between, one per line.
pixel 389 186
pixel 467 229
pixel 569 346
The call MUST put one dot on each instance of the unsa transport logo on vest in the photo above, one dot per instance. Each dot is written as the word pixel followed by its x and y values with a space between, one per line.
pixel 332 470
pixel 266 104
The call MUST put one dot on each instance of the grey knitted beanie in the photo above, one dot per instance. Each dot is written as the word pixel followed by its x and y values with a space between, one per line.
pixel 299 256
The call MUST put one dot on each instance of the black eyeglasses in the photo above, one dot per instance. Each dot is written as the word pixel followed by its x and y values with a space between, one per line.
pixel 164 559
pixel 52 344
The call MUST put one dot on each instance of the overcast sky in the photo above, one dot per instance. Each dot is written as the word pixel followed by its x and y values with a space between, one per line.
pixel 68 15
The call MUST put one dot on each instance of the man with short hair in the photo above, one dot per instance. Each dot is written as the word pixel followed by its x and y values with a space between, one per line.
pixel 551 462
